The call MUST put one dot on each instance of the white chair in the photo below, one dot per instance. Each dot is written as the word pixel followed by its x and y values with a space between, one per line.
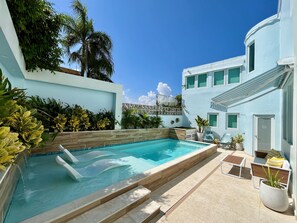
pixel 92 170
pixel 226 140
pixel 84 157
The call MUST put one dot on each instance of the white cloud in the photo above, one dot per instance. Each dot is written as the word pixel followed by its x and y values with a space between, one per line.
pixel 126 98
pixel 164 89
pixel 149 99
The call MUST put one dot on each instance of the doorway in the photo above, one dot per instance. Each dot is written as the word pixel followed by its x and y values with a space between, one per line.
pixel 264 132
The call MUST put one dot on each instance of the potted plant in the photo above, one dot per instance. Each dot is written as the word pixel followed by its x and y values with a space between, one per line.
pixel 272 194
pixel 238 140
pixel 201 123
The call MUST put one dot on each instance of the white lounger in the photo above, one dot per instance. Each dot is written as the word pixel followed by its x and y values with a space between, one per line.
pixel 84 157
pixel 90 171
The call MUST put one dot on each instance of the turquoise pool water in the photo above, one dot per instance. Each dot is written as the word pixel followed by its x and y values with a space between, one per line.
pixel 46 185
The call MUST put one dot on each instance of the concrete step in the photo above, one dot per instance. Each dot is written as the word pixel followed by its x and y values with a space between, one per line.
pixel 115 208
pixel 141 214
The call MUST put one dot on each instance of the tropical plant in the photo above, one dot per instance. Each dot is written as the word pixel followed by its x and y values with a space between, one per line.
pixel 10 146
pixel 37 26
pixel 82 116
pixel 47 110
pixel 179 100
pixel 201 123
pixel 272 180
pixel 26 125
pixel 74 123
pixel 19 130
pixel 130 119
pixel 60 121
pixel 238 138
pixel 92 49
pixel 103 123
pixel 144 120
pixel 156 121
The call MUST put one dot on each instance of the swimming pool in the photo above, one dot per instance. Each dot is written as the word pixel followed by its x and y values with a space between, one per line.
pixel 46 185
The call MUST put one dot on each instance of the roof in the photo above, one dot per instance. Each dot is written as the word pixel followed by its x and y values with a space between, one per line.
pixel 271 79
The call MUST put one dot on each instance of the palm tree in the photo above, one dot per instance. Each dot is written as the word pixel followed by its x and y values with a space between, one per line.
pixel 91 49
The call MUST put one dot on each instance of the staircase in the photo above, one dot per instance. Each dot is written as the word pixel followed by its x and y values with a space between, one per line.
pixel 134 206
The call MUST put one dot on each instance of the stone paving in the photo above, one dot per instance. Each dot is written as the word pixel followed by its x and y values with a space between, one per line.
pixel 204 194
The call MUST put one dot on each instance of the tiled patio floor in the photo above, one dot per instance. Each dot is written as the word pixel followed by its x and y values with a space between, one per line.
pixel 204 194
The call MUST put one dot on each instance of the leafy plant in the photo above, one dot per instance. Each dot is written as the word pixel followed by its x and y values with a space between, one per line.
pixel 201 123
pixel 103 123
pixel 60 121
pixel 10 146
pixel 37 26
pixel 82 116
pixel 238 138
pixel 133 119
pixel 74 123
pixel 19 130
pixel 130 119
pixel 156 121
pixel 28 127
pixel 271 179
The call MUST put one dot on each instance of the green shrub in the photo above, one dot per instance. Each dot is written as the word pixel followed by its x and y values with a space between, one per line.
pixel 60 121
pixel 10 146
pixel 19 129
pixel 59 116
pixel 132 119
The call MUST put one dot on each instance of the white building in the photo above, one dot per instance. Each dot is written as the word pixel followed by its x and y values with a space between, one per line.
pixel 252 94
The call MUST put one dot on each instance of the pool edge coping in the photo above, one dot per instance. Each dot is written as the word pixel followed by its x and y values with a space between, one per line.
pixel 81 205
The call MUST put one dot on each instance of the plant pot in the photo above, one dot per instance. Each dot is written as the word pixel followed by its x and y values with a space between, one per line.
pixel 200 136
pixel 239 146
pixel 274 198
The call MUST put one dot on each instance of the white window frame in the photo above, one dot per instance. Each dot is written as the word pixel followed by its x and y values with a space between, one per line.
pixel 227 117
pixel 217 114
pixel 227 76
pixel 198 80
pixel 213 79
pixel 248 57
pixel 187 82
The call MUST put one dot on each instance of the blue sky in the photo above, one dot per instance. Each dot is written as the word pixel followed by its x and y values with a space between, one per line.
pixel 154 40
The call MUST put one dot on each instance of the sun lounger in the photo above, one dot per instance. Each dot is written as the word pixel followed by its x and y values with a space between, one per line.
pixel 92 170
pixel 84 157
pixel 208 136
pixel 226 140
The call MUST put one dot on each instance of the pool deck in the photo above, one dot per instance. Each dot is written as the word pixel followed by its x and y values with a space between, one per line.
pixel 204 194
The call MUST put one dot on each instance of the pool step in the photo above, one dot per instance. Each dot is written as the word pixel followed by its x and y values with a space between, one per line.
pixel 141 214
pixel 115 208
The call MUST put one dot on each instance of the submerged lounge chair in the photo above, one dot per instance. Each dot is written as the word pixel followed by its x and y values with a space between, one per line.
pixel 226 141
pixel 84 157
pixel 89 171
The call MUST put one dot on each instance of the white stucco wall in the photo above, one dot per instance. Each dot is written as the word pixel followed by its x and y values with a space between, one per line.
pixel 168 118
pixel 265 35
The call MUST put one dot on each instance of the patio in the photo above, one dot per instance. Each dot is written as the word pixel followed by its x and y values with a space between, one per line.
pixel 204 194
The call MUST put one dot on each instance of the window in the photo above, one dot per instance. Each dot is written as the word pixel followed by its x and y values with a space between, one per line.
pixel 251 53
pixel 202 78
pixel 234 75
pixel 232 121
pixel 190 82
pixel 213 120
pixel 288 112
pixel 218 78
